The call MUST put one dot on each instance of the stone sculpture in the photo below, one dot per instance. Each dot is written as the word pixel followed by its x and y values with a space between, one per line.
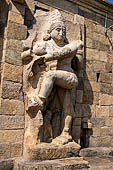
pixel 48 83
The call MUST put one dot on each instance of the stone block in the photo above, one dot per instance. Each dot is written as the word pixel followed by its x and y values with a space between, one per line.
pixel 12 44
pixel 76 131
pixel 90 26
pixel 100 29
pixel 104 131
pixel 30 4
pixel 90 97
pixel 53 151
pixel 98 66
pixel 12 107
pixel 91 75
pixel 74 163
pixel 78 111
pixel 6 164
pixel 4 151
pixel 111 130
pixel 77 121
pixel 89 42
pixel 103 56
pixel 92 54
pixel 11 136
pixel 97 122
pixel 105 99
pixel 110 57
pixel 79 96
pixel 106 88
pixel 89 66
pixel 15 17
pixel 111 111
pixel 86 111
pixel 17 8
pixel 104 141
pixel 102 111
pixel 13 57
pixel 106 77
pixel 67 16
pixel 96 131
pixel 108 121
pixel 16 150
pixel 16 31
pixel 78 19
pixel 108 67
pixel 11 122
pixel 12 73
pixel 91 86
pixel 11 90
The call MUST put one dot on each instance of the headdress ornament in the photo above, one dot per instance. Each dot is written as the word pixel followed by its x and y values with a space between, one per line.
pixel 55 19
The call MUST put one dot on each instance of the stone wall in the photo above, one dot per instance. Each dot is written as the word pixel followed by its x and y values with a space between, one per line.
pixel 94 96
pixel 12 99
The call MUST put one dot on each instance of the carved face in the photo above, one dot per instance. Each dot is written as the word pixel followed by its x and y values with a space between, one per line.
pixel 58 33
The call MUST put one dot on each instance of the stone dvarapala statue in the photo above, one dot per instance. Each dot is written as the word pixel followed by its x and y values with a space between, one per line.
pixel 49 80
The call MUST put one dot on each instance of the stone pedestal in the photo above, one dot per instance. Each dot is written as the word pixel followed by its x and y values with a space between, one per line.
pixel 58 164
pixel 46 151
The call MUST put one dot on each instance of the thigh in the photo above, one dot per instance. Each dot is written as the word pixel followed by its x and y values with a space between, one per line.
pixel 66 79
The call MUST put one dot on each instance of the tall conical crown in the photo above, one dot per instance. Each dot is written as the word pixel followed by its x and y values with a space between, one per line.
pixel 55 19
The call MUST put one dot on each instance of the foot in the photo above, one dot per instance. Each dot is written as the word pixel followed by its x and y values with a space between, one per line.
pixel 62 139
pixel 34 103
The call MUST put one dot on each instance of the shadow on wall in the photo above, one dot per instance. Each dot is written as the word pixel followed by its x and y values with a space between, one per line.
pixel 3 24
pixel 87 103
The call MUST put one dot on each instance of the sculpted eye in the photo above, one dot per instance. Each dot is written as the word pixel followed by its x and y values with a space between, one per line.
pixel 58 29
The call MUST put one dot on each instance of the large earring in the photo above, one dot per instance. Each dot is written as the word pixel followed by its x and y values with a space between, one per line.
pixel 47 37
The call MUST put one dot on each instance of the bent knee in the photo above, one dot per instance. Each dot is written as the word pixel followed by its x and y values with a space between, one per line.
pixel 73 81
pixel 50 75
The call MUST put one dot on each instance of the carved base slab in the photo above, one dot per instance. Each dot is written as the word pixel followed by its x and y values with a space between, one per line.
pixel 45 151
pixel 58 164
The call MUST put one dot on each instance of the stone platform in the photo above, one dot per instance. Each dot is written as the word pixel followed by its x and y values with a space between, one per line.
pixel 45 151
pixel 74 163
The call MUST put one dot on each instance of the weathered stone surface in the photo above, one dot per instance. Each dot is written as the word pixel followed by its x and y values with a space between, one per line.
pixel 102 111
pixel 12 44
pixel 11 122
pixel 6 164
pixel 17 8
pixel 11 90
pixel 13 57
pixel 104 141
pixel 96 131
pixel 52 151
pixel 4 151
pixel 97 151
pixel 16 149
pixel 12 107
pixel 104 131
pixel 78 19
pixel 98 122
pixel 61 164
pixel 79 96
pixel 91 86
pixel 12 73
pixel 11 136
pixel 15 17
pixel 16 31
pixel 98 66
pixel 106 77
pixel 105 99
